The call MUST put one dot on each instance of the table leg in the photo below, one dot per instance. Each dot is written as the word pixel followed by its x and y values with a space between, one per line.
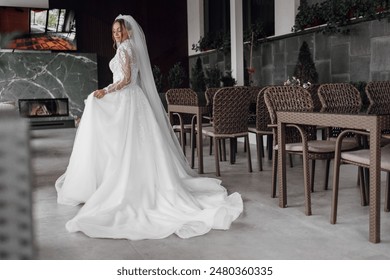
pixel 200 142
pixel 282 165
pixel 375 183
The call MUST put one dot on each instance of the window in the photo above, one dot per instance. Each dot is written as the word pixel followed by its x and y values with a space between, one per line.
pixel 217 16
pixel 259 11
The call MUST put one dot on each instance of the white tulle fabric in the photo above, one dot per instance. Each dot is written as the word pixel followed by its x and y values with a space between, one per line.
pixel 128 171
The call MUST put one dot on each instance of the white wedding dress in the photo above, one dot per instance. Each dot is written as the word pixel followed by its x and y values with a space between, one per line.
pixel 129 178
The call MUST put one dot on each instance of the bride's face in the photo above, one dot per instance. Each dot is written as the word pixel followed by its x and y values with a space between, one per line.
pixel 119 33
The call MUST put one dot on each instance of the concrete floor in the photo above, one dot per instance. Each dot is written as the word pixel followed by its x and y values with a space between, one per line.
pixel 263 231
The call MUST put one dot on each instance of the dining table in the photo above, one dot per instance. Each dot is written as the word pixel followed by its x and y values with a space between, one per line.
pixel 199 111
pixel 373 122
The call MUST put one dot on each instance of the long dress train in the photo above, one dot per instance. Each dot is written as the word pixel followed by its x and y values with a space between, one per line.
pixel 131 183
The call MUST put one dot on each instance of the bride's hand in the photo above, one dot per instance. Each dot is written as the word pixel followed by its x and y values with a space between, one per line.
pixel 100 93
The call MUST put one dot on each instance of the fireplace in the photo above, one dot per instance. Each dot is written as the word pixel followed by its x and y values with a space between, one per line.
pixel 46 113
pixel 37 108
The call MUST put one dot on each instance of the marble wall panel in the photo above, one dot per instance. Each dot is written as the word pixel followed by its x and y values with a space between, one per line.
pixel 48 75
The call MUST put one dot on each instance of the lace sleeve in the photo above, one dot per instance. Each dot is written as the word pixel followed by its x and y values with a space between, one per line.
pixel 124 60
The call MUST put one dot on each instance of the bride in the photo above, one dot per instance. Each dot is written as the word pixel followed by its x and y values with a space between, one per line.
pixel 126 166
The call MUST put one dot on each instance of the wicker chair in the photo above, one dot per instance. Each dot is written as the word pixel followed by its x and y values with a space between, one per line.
pixel 209 95
pixel 359 158
pixel 313 89
pixel 182 123
pixel 378 93
pixel 230 119
pixel 252 92
pixel 341 98
pixel 261 127
pixel 293 98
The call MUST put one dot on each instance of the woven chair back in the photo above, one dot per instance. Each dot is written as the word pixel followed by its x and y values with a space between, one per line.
pixel 290 98
pixel 340 98
pixel 252 95
pixel 231 110
pixel 209 95
pixel 378 93
pixel 313 89
pixel 182 96
pixel 262 116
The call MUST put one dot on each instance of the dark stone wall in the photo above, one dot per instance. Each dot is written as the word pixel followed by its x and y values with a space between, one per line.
pixel 362 55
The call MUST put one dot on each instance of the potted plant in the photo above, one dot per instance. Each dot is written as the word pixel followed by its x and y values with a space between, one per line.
pixel 176 76
pixel 213 77
pixel 205 43
pixel 338 13
pixel 158 78
pixel 227 79
pixel 305 69
pixel 198 83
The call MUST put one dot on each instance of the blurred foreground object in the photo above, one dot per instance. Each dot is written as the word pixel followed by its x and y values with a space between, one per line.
pixel 16 234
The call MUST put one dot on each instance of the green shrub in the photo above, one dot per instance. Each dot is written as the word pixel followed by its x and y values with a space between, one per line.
pixel 198 83
pixel 227 80
pixel 158 78
pixel 305 69
pixel 213 77
pixel 176 76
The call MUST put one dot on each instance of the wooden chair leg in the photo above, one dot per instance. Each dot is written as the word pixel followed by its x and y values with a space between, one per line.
pixel 291 160
pixel 327 174
pixel 219 148
pixel 216 142
pixel 274 172
pixel 312 174
pixel 233 150
pixel 261 142
pixel 270 144
pixel 307 184
pixel 366 183
pixel 387 193
pixel 224 149
pixel 249 154
pixel 336 175
pixel 359 176
pixel 211 146
pixel 182 139
pixel 259 148
pixel 362 187
pixel 193 145
pixel 245 145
